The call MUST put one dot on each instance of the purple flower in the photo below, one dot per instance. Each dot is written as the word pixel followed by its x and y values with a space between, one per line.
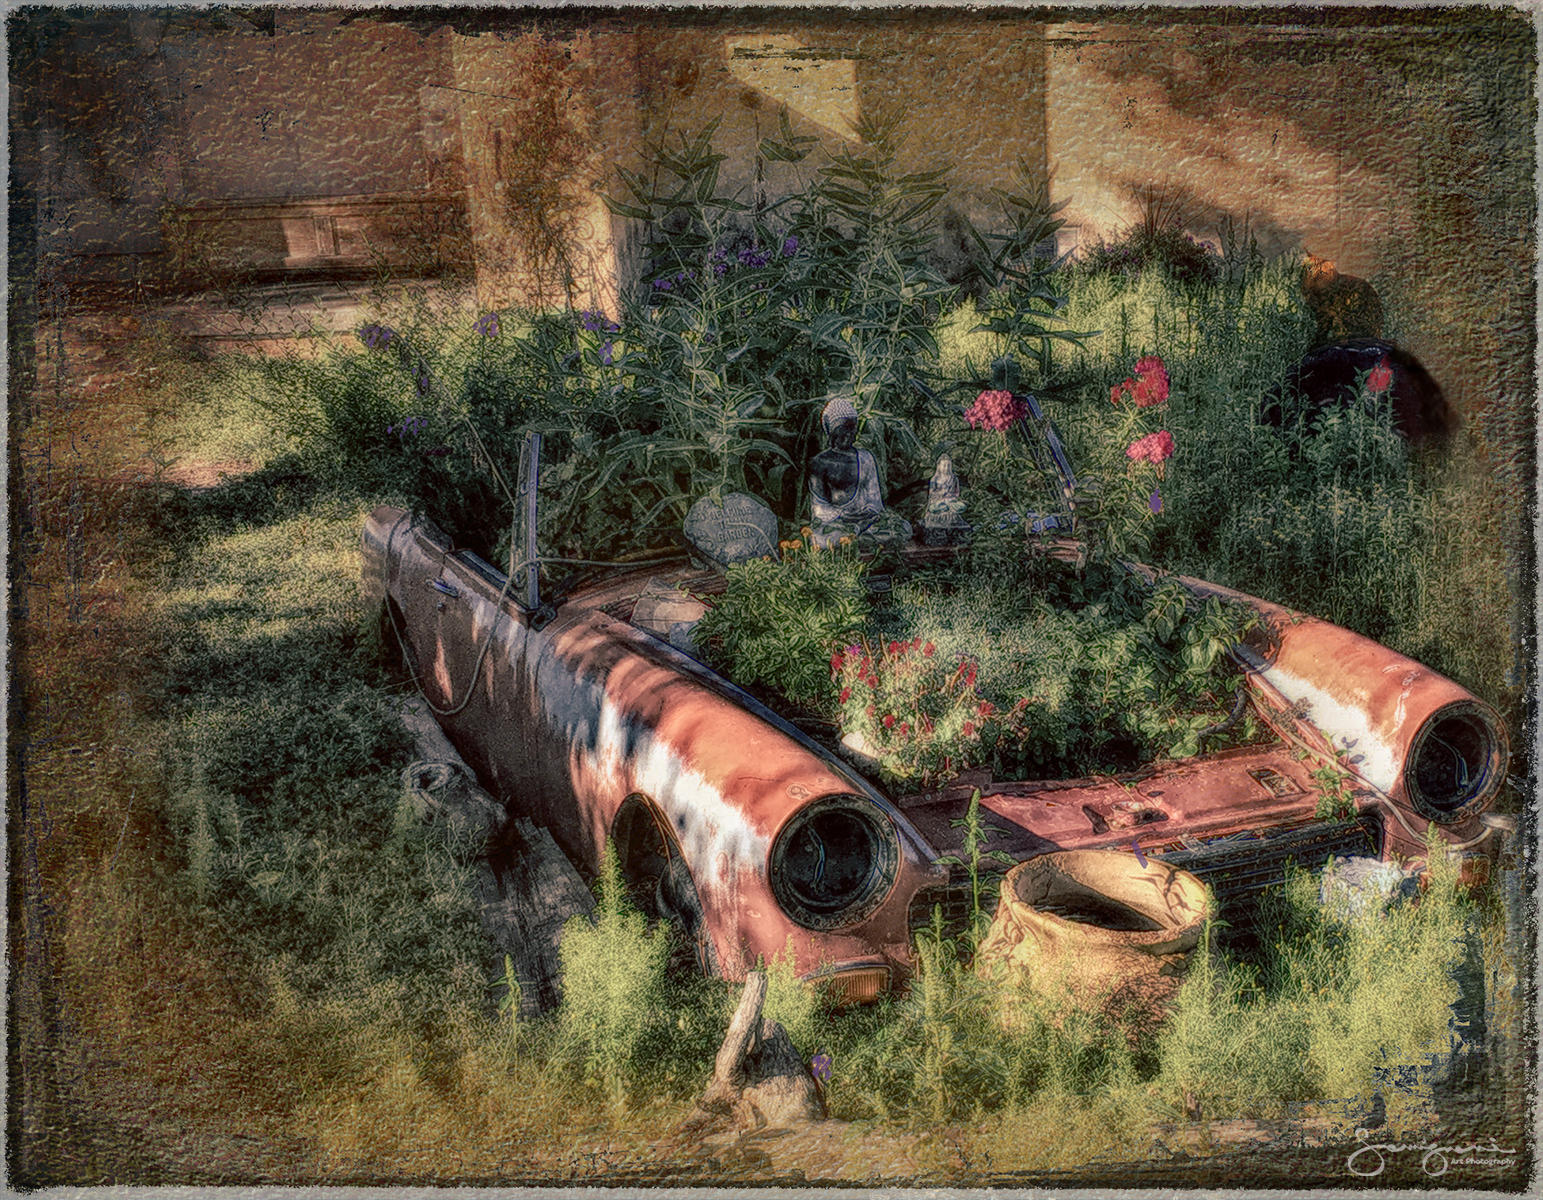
pixel 819 1067
pixel 753 256
pixel 409 425
pixel 605 353
pixel 421 377
pixel 596 322
pixel 377 337
pixel 662 285
pixel 487 325
pixel 1155 503
pixel 789 246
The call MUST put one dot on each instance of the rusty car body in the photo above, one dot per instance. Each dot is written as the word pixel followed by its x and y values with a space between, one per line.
pixel 758 839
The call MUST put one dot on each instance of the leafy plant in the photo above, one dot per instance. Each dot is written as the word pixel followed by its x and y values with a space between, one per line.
pixel 1157 240
pixel 976 834
pixel 1026 307
pixel 778 621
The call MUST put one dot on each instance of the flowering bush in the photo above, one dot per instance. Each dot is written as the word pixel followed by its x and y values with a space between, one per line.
pixel 1136 497
pixel 996 411
pixel 917 714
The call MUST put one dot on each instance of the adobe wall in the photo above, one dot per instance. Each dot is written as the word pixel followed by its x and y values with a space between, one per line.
pixel 317 108
pixel 966 90
pixel 539 123
pixel 1401 149
pixel 164 138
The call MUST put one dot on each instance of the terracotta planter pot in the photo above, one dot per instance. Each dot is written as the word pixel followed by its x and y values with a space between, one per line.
pixel 1093 928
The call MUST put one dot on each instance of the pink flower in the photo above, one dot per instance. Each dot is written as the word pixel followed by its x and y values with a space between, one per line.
pixel 994 410
pixel 837 660
pixel 1381 376
pixel 1154 448
pixel 1148 388
pixel 929 650
pixel 969 729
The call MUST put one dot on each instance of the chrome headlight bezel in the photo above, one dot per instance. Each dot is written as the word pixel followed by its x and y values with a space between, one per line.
pixel 865 838
pixel 1464 740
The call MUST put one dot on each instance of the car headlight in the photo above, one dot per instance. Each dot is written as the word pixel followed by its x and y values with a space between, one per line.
pixel 1456 762
pixel 834 862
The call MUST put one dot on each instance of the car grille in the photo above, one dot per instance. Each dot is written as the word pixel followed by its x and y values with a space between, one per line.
pixel 954 900
pixel 1237 868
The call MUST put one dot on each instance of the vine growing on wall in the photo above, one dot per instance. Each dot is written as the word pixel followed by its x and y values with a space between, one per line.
pixel 542 145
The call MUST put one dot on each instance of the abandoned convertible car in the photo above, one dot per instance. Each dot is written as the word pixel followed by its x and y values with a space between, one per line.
pixel 756 837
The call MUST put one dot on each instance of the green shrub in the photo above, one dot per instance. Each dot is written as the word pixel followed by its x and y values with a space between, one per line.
pixel 1331 1008
pixel 778 622
pixel 613 973
pixel 631 1025
pixel 1112 672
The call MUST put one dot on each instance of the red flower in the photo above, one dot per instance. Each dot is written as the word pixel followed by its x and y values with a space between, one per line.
pixel 1148 388
pixel 846 694
pixel 1379 379
pixel 905 729
pixel 969 729
pixel 889 720
pixel 894 647
pixel 985 709
pixel 837 661
pixel 916 643
pixel 929 649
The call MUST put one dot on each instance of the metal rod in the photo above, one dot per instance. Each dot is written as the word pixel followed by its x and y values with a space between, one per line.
pixel 532 562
